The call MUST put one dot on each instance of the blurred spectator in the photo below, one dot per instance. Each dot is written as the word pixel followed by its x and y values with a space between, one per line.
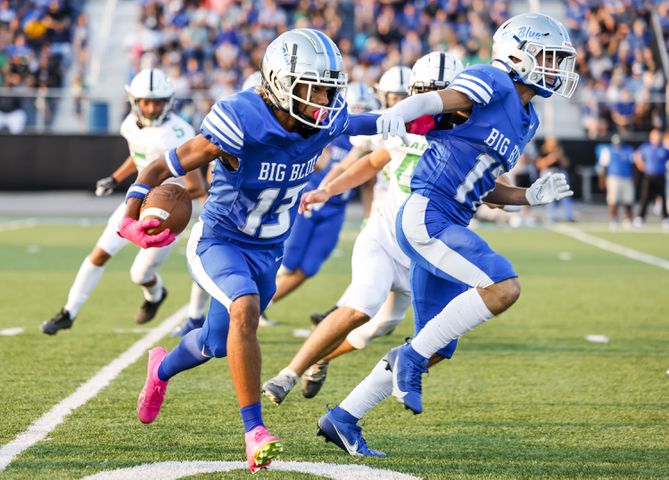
pixel 622 113
pixel 552 159
pixel 622 86
pixel 651 159
pixel 616 176
pixel 209 47
pixel 35 50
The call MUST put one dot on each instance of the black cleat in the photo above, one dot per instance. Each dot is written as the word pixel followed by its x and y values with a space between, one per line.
pixel 148 309
pixel 317 318
pixel 314 378
pixel 61 321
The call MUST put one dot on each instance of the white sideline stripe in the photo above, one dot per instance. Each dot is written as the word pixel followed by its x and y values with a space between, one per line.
pixel 610 246
pixel 47 423
pixel 17 225
pixel 175 470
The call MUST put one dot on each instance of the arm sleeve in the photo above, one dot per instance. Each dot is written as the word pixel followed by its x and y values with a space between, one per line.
pixel 361 124
pixel 476 85
pixel 223 128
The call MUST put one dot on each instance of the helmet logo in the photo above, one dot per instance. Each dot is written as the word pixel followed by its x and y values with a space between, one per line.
pixel 527 33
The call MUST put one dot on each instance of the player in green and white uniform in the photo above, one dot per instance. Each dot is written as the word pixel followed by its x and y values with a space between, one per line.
pixel 379 294
pixel 150 129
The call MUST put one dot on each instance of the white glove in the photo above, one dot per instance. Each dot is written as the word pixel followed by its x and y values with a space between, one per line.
pixel 389 123
pixel 548 189
pixel 105 186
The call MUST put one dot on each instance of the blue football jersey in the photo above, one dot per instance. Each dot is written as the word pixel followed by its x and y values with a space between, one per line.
pixel 461 165
pixel 339 148
pixel 257 203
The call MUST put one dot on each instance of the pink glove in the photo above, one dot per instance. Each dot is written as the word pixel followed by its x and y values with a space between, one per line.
pixel 135 231
pixel 421 125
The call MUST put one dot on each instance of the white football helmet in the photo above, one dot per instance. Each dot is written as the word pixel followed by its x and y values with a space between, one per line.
pixel 433 71
pixel 537 51
pixel 153 84
pixel 253 80
pixel 360 98
pixel 395 80
pixel 309 57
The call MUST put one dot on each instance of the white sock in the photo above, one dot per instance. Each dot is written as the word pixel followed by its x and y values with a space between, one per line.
pixel 87 279
pixel 198 302
pixel 370 392
pixel 463 313
pixel 155 292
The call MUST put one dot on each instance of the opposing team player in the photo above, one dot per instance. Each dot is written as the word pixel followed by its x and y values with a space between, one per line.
pixel 314 236
pixel 267 143
pixel 379 294
pixel 392 87
pixel 532 55
pixel 150 129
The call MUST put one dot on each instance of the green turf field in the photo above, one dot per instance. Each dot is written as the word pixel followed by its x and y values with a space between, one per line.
pixel 526 396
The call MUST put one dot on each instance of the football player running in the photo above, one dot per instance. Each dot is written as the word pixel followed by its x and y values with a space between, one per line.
pixel 315 235
pixel 150 129
pixel 266 144
pixel 379 294
pixel 532 55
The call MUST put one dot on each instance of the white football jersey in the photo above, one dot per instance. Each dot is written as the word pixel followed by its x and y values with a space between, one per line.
pixel 149 143
pixel 369 143
pixel 403 161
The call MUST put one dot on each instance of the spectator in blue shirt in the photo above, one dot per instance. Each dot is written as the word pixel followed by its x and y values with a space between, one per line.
pixel 651 159
pixel 616 170
pixel 622 112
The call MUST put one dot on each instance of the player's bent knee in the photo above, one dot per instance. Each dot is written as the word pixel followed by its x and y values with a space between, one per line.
pixel 245 314
pixel 509 292
pixel 139 275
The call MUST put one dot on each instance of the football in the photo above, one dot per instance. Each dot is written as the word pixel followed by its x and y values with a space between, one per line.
pixel 169 203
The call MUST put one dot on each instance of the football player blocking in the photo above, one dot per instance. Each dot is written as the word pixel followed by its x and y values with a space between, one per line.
pixel 379 295
pixel 150 129
pixel 532 55
pixel 265 142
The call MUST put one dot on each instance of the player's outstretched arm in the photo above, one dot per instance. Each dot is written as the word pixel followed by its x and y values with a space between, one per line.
pixel 547 189
pixel 360 172
pixel 192 155
pixel 392 122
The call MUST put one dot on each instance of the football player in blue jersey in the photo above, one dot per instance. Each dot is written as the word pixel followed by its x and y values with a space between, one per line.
pixel 532 55
pixel 266 143
pixel 314 236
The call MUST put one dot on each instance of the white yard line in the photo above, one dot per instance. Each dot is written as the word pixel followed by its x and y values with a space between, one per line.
pixel 610 246
pixel 47 423
pixel 17 225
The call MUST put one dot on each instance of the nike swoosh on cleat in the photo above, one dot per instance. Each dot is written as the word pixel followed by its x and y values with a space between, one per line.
pixel 399 394
pixel 352 449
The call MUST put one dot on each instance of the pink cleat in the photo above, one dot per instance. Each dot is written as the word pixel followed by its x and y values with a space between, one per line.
pixel 153 393
pixel 261 448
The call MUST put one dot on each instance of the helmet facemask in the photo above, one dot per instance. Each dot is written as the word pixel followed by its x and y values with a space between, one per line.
pixel 289 100
pixel 552 69
pixel 150 122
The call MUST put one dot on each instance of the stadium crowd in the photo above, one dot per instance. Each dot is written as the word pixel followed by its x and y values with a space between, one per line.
pixel 39 40
pixel 623 87
pixel 209 47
